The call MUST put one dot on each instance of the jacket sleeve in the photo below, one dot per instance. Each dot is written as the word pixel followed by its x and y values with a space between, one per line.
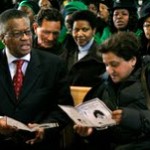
pixel 136 119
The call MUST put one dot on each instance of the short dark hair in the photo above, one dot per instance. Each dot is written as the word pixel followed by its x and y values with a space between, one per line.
pixel 50 14
pixel 8 15
pixel 123 44
pixel 85 15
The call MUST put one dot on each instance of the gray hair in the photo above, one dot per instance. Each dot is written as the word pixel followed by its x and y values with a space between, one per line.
pixel 8 15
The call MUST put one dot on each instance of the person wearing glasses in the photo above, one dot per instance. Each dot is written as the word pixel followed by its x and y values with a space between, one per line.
pixel 47 26
pixel 44 87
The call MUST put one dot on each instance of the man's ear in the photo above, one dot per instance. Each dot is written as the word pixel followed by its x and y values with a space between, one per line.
pixel 35 26
pixel 133 61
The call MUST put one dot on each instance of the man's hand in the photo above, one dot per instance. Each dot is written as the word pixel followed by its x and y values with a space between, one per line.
pixel 39 134
pixel 83 131
pixel 6 129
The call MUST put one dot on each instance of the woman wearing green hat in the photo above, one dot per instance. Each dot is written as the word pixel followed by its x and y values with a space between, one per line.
pixel 30 7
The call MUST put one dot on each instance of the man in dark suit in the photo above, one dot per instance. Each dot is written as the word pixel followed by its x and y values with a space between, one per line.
pixel 44 87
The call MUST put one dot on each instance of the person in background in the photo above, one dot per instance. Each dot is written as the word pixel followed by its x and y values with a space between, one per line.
pixel 44 4
pixel 144 24
pixel 122 91
pixel 44 86
pixel 92 6
pixel 85 68
pixel 31 8
pixel 65 36
pixel 103 15
pixel 49 4
pixel 123 17
pixel 104 7
pixel 47 26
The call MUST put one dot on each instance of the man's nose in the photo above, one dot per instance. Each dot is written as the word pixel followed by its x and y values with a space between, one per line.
pixel 50 36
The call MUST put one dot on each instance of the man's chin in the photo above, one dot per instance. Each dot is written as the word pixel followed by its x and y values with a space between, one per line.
pixel 115 80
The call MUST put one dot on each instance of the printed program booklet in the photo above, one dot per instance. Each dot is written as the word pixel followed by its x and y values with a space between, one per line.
pixel 92 113
pixel 15 123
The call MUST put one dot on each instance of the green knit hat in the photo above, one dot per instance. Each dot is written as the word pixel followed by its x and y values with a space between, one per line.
pixel 31 4
pixel 74 6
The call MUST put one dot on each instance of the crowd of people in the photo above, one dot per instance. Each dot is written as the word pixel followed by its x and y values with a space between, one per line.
pixel 102 44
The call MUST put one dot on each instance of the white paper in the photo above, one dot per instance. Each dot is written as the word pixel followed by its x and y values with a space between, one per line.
pixel 15 123
pixel 85 113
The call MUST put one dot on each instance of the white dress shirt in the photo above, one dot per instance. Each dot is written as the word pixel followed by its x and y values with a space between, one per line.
pixel 12 65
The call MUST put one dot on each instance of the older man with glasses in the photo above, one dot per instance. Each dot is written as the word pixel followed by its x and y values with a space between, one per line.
pixel 43 86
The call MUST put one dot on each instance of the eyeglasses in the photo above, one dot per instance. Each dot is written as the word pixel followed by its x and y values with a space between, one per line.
pixel 19 34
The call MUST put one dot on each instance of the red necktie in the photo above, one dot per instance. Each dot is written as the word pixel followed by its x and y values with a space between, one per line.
pixel 18 77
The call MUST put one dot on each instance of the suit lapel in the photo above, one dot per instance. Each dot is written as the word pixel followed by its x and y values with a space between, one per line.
pixel 31 76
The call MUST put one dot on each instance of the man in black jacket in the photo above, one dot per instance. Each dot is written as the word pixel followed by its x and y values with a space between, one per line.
pixel 44 87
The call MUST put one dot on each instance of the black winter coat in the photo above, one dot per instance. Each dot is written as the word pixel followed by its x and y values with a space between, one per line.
pixel 129 96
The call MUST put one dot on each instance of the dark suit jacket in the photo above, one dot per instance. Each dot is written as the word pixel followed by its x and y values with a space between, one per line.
pixel 88 70
pixel 44 87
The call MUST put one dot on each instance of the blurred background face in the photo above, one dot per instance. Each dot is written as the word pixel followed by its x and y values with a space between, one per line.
pixel 18 38
pixel 67 22
pixel 118 68
pixel 103 12
pixel 146 28
pixel 28 11
pixel 120 18
pixel 47 33
pixel 92 8
pixel 82 32
pixel 44 4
